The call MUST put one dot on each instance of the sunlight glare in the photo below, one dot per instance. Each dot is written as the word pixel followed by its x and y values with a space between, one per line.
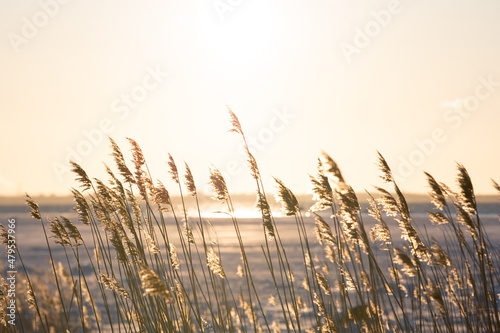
pixel 238 42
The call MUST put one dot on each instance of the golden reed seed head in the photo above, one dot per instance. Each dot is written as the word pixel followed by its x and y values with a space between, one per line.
pixel 388 202
pixel 439 256
pixel 239 271
pixel 289 203
pixel 438 218
pixel 323 231
pixel 72 231
pixel 130 249
pixel 58 232
pixel 4 235
pixel 104 193
pixel 218 185
pixel 374 210
pixel 35 211
pixel 152 284
pixel 150 242
pixel 111 283
pixel 82 177
pixel 142 183
pixel 380 232
pixel 386 170
pixel 465 219
pixel 31 295
pixel 174 259
pixel 437 193
pixel 322 282
pixel 189 181
pixel 81 207
pixel 116 241
pixel 213 262
pixel 137 155
pixel 402 204
pixel 265 210
pixel 235 123
pixel 113 181
pixel 321 189
pixel 161 197
pixel 252 164
pixel 330 168
pixel 402 259
pixel 172 169
pixel 120 162
pixel 348 200
pixel 467 197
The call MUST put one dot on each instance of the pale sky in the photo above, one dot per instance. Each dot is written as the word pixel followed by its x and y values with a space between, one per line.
pixel 418 81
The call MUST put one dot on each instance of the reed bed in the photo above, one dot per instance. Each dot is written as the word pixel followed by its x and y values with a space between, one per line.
pixel 152 265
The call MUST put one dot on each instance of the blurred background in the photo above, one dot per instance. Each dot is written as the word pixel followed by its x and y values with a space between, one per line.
pixel 417 81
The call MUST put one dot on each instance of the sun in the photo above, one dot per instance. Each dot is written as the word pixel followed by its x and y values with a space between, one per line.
pixel 239 39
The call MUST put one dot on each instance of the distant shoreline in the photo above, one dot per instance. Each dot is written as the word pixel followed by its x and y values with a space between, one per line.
pixel 304 199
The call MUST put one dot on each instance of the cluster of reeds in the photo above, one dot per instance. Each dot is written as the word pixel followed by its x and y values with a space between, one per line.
pixel 149 266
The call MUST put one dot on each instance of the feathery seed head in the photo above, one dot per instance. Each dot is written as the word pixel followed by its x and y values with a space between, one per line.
pixel 4 236
pixel 142 180
pixel 82 177
pixel 137 155
pixel 111 283
pixel 331 169
pixel 239 271
pixel 188 233
pixel 35 211
pixel 116 241
pixel 252 164
pixel 81 207
pixel 59 233
pixel 380 232
pixel 439 256
pixel 213 262
pixel 321 189
pixel 161 197
pixel 467 197
pixel 438 218
pixel 152 284
pixel 388 202
pixel 374 210
pixel 465 219
pixel 323 231
pixel 218 185
pixel 322 282
pixel 265 210
pixel 402 259
pixel 289 203
pixel 172 169
pixel 174 259
pixel 150 242
pixel 437 193
pixel 235 123
pixel 120 162
pixel 117 184
pixel 384 167
pixel 189 181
